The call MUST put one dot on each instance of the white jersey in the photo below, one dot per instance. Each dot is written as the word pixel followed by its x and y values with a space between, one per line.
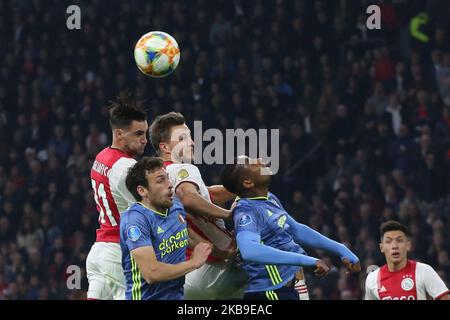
pixel 417 281
pixel 185 172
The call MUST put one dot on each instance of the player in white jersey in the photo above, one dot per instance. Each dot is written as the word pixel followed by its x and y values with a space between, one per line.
pixel 104 262
pixel 219 278
pixel 401 278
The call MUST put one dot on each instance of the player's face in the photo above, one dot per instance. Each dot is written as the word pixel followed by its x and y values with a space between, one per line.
pixel 181 144
pixel 135 137
pixel 395 246
pixel 160 193
pixel 257 170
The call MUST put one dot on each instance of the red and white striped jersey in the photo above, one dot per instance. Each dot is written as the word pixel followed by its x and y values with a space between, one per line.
pixel 417 281
pixel 111 195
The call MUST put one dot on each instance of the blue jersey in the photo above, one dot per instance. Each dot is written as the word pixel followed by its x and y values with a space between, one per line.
pixel 167 234
pixel 266 216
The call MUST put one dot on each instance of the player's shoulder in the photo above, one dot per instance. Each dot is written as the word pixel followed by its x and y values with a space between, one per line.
pixel 422 267
pixel 176 204
pixel 122 163
pixel 274 199
pixel 372 279
pixel 244 206
pixel 182 169
pixel 136 212
pixel 270 196
pixel 111 156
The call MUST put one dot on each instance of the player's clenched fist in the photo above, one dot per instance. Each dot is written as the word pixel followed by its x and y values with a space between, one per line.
pixel 200 254
pixel 321 268
pixel 351 267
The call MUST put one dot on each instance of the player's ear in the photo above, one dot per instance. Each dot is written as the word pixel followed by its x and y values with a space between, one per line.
pixel 164 148
pixel 408 244
pixel 118 132
pixel 142 191
pixel 381 247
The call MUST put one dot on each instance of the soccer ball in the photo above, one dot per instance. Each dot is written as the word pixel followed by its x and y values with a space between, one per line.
pixel 156 54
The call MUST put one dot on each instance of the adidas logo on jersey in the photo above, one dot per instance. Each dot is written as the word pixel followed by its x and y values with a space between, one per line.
pixel 160 230
pixel 383 289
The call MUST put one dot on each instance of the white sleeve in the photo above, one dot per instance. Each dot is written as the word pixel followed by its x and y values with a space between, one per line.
pixel 434 286
pixel 185 173
pixel 122 197
pixel 371 286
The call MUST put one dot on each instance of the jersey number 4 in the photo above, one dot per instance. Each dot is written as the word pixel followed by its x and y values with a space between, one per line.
pixel 104 205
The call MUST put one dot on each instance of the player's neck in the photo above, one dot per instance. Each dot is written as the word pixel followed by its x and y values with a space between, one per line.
pixel 148 205
pixel 394 267
pixel 117 146
pixel 257 193
pixel 167 157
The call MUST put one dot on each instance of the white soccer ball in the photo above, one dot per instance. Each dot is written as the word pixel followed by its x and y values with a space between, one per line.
pixel 157 54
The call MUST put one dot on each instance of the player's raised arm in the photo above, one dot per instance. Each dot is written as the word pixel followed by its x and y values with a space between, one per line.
pixel 195 204
pixel 219 195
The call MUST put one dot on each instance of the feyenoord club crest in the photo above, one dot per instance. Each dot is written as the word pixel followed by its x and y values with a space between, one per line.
pixel 407 284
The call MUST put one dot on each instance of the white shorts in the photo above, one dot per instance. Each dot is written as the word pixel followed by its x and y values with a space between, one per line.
pixel 217 280
pixel 104 272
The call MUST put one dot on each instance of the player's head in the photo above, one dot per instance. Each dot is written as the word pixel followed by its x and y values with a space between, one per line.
pixel 129 124
pixel 245 175
pixel 395 242
pixel 171 138
pixel 148 182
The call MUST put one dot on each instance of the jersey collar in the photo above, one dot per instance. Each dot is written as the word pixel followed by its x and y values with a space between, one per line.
pixel 166 163
pixel 121 151
pixel 255 198
pixel 163 214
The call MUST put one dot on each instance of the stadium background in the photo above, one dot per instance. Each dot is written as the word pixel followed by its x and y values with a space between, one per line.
pixel 310 68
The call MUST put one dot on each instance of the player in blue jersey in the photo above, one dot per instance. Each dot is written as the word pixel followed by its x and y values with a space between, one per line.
pixel 269 239
pixel 154 236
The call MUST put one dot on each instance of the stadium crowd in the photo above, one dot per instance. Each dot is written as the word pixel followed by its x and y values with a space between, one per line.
pixel 364 119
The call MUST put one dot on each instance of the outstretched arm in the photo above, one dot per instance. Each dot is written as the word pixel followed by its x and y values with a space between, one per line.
pixel 251 249
pixel 195 204
pixel 219 195
pixel 304 235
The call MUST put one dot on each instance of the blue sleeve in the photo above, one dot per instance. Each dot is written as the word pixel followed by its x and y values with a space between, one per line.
pixel 309 237
pixel 251 249
pixel 137 231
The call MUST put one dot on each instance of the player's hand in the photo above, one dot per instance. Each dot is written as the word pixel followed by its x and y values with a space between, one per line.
pixel 321 268
pixel 351 267
pixel 234 204
pixel 200 253
pixel 229 215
